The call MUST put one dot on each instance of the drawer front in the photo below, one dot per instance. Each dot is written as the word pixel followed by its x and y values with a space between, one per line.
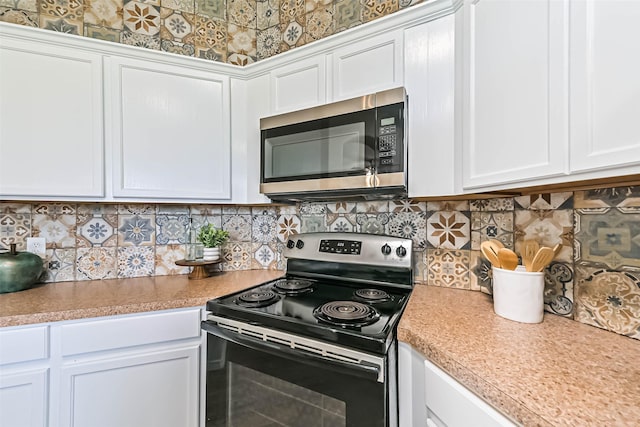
pixel 24 344
pixel 128 331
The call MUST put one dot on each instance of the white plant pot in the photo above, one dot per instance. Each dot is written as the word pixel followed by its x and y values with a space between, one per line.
pixel 211 254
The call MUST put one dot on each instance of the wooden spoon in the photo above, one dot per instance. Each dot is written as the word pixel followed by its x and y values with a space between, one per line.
pixel 490 254
pixel 542 259
pixel 508 259
pixel 529 249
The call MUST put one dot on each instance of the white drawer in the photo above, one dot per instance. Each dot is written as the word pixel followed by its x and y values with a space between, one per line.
pixel 23 344
pixel 127 331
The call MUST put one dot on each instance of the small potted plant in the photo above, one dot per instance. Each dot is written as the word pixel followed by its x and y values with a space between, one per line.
pixel 212 238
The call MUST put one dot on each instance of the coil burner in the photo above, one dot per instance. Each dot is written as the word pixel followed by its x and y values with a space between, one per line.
pixel 257 298
pixel 372 295
pixel 292 286
pixel 346 313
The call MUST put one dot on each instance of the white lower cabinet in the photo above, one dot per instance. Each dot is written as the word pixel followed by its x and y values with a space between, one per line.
pixel 430 397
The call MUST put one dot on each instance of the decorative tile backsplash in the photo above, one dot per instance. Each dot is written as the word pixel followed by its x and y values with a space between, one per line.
pixel 237 32
pixel 595 278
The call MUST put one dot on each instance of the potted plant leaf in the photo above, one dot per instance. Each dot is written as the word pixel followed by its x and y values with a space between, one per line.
pixel 212 238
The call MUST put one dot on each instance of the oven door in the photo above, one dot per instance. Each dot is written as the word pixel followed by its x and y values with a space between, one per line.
pixel 256 382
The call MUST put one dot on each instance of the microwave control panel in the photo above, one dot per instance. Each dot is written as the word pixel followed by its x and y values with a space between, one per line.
pixel 388 142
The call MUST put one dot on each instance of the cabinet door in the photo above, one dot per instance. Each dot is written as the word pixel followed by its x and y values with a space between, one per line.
pixel 51 121
pixel 299 85
pixel 23 398
pixel 605 87
pixel 515 85
pixel 367 66
pixel 158 388
pixel 171 131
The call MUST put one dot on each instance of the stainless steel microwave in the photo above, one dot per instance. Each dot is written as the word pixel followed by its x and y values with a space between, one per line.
pixel 348 149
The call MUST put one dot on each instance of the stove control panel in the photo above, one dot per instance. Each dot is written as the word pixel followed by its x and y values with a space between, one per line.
pixel 350 247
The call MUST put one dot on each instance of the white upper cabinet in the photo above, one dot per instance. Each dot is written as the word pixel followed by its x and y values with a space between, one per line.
pixel 299 85
pixel 170 131
pixel 514 105
pixel 605 84
pixel 51 121
pixel 368 65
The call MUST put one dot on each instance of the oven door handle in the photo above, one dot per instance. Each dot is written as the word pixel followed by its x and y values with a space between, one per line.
pixel 362 369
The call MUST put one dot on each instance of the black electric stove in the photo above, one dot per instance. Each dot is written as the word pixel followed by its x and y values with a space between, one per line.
pixel 347 289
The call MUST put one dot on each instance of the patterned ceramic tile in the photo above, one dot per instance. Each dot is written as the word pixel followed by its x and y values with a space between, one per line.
pixel 142 18
pixel 20 17
pixel 216 9
pixel 341 207
pixel 268 14
pixel 265 256
pixel 236 210
pixel 136 261
pixel 166 256
pixel 71 10
pixel 374 9
pixel 58 229
pixel 171 229
pixel 608 238
pixel 291 9
pixel 140 40
pixel 136 230
pixel 547 228
pixel 319 24
pixel 60 265
pixel 409 225
pixel 176 26
pixel 238 226
pixel 206 210
pixel 491 225
pixel 372 207
pixel 54 209
pixel 242 41
pixel 96 263
pixel 269 42
pixel 61 25
pixel 313 209
pixel 136 209
pixel 407 205
pixel 102 33
pixel 449 205
pixel 292 33
pixel 448 230
pixel 104 13
pixel 242 12
pixel 480 273
pixel 14 228
pixel 492 205
pixel 96 226
pixel 14 208
pixel 608 197
pixel 348 14
pixel 344 223
pixel 609 300
pixel 407 3
pixel 237 256
pixel 286 226
pixel 26 5
pixel 313 223
pixel 545 201
pixel 187 6
pixel 264 226
pixel 420 268
pixel 373 223
pixel 200 220
pixel 558 289
pixel 311 5
pixel 210 37
pixel 288 210
pixel 448 268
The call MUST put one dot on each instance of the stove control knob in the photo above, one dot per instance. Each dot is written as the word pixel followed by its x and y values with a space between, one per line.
pixel 290 244
pixel 386 249
pixel 299 244
pixel 401 251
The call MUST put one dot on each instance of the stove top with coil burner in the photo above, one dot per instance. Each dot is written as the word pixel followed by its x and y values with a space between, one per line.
pixel 353 297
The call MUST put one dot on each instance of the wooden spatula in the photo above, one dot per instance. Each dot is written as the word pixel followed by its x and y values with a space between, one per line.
pixel 508 259
pixel 490 254
pixel 544 256
pixel 529 250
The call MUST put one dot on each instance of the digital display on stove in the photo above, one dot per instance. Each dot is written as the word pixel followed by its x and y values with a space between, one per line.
pixel 347 247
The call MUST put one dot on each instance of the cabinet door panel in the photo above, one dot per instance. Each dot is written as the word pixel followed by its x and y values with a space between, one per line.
pixel 51 121
pixel 171 132
pixel 23 398
pixel 153 389
pixel 515 119
pixel 299 85
pixel 605 88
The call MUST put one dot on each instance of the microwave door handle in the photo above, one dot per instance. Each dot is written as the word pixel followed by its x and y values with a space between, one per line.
pixel 363 369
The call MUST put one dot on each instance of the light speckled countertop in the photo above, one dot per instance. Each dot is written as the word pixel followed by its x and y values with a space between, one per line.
pixel 558 372
pixel 76 300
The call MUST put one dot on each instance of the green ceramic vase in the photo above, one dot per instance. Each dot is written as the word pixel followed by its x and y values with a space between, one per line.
pixel 18 270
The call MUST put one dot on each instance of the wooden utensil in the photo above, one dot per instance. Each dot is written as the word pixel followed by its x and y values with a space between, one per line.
pixel 556 249
pixel 544 256
pixel 490 254
pixel 529 250
pixel 497 244
pixel 508 259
